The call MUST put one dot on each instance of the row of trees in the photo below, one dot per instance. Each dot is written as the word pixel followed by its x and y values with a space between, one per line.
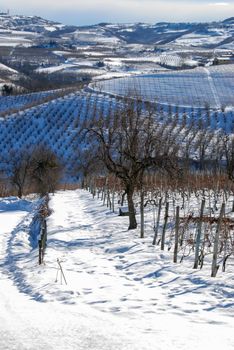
pixel 129 143
pixel 184 174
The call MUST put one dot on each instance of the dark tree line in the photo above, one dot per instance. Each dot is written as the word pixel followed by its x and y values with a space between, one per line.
pixel 7 90
pixel 36 170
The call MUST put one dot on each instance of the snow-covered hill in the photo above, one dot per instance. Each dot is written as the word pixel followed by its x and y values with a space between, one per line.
pixel 72 53
pixel 213 34
pixel 197 87
pixel 189 34
pixel 27 23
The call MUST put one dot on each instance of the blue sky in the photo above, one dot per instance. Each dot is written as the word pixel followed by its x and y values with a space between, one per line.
pixel 81 12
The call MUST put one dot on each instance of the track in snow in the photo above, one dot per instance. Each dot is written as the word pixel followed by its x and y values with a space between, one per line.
pixel 96 253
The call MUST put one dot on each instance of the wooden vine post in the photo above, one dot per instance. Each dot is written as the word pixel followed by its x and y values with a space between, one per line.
pixel 215 267
pixel 164 226
pixel 142 213
pixel 199 233
pixel 176 234
pixel 158 220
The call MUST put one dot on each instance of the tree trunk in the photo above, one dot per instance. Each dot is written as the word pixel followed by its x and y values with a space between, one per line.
pixel 131 210
pixel 20 192
pixel 123 198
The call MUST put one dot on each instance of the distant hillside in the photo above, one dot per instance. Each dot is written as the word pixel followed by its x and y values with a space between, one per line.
pixel 28 23
pixel 229 20
pixel 37 54
pixel 210 34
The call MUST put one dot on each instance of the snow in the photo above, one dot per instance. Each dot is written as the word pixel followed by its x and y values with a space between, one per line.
pixel 155 59
pixel 62 53
pixel 69 65
pixel 50 28
pixel 54 69
pixel 3 67
pixel 23 33
pixel 229 46
pixel 192 87
pixel 126 30
pixel 6 40
pixel 94 53
pixel 95 36
pixel 74 68
pixel 9 103
pixel 91 71
pixel 213 88
pixel 30 121
pixel 200 40
pixel 111 75
pixel 16 37
pixel 122 293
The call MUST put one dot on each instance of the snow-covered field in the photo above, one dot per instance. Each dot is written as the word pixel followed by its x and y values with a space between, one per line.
pixel 198 87
pixel 15 38
pixel 18 102
pixel 194 39
pixel 121 293
pixel 4 67
pixel 56 123
pixel 111 66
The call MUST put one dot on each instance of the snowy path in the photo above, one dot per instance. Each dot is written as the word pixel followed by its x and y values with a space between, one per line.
pixel 28 324
pixel 112 300
pixel 213 88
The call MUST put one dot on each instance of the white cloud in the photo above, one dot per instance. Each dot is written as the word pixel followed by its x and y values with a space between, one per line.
pixel 219 4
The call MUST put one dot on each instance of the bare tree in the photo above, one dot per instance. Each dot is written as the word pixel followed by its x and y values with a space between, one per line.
pixel 7 89
pixel 45 170
pixel 87 164
pixel 20 168
pixel 129 141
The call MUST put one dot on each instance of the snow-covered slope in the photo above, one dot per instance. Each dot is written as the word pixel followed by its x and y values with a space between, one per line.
pixel 188 34
pixel 29 121
pixel 210 34
pixel 27 23
pixel 197 87
pixel 3 67
pixel 121 294
pixel 30 44
pixel 24 31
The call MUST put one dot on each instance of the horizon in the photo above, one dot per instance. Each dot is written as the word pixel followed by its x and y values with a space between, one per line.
pixel 119 22
pixel 75 12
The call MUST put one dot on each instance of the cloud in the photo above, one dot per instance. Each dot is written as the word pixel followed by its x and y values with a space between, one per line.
pixel 219 4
